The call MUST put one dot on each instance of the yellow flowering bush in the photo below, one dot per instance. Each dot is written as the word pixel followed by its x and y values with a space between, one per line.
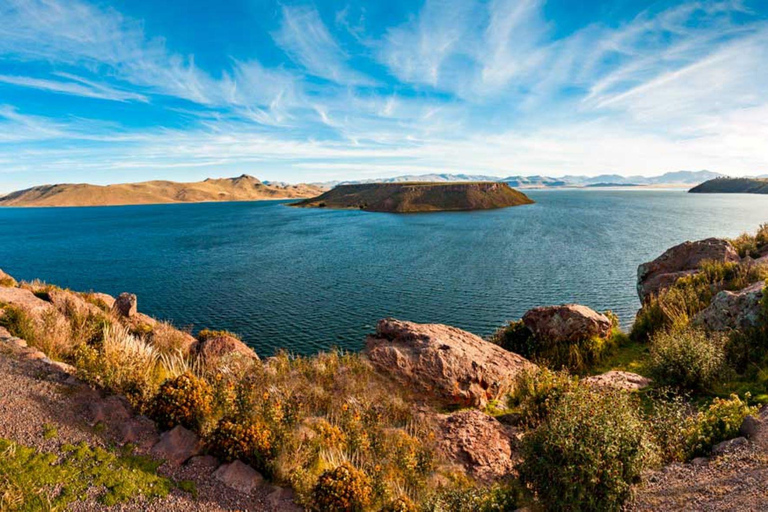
pixel 186 400
pixel 342 489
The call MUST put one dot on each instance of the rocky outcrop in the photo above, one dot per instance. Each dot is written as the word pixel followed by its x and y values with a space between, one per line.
pixel 478 443
pixel 451 366
pixel 216 347
pixel 567 323
pixel 733 310
pixel 102 298
pixel 25 300
pixel 126 305
pixel 69 302
pixel 615 379
pixel 6 280
pixel 681 260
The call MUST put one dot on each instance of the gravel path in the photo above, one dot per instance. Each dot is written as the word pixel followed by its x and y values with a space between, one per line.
pixel 34 394
pixel 735 481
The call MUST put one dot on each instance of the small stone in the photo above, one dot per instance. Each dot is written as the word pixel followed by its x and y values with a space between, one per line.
pixel 729 446
pixel 239 476
pixel 111 409
pixel 33 354
pixel 139 431
pixel 699 462
pixel 205 463
pixel 749 427
pixel 126 304
pixel 177 446
pixel 283 499
pixel 4 334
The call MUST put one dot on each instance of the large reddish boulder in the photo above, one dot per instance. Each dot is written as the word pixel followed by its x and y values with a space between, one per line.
pixel 477 442
pixel 449 365
pixel 213 348
pixel 733 310
pixel 679 261
pixel 567 323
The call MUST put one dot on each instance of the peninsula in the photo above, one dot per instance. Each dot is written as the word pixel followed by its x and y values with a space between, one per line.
pixel 413 197
pixel 732 186
pixel 242 188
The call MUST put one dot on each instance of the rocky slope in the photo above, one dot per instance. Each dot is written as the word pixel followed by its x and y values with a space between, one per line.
pixel 732 186
pixel 419 197
pixel 242 188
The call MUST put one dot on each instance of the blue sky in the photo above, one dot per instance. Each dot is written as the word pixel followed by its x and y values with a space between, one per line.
pixel 128 90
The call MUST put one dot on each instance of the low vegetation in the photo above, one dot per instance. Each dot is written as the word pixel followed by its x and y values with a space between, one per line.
pixel 576 356
pixel 687 358
pixel 34 480
pixel 588 452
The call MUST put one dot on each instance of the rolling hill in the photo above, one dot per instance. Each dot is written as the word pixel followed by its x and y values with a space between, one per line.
pixel 242 188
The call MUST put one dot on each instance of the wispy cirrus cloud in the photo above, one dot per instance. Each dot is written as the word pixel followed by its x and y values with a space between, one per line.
pixel 308 42
pixel 74 86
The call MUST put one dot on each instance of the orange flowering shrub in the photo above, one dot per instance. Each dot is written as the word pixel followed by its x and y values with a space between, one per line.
pixel 342 489
pixel 249 441
pixel 185 400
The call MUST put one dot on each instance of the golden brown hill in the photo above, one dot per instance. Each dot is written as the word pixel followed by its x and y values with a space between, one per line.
pixel 242 188
pixel 419 197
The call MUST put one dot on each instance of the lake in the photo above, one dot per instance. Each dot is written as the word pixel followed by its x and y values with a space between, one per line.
pixel 306 280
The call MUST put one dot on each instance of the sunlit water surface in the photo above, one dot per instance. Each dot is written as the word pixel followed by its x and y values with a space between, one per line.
pixel 307 280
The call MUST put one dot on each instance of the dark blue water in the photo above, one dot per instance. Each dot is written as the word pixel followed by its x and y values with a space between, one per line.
pixel 310 279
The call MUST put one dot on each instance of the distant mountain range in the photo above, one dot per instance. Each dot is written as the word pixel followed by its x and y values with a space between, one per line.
pixel 603 180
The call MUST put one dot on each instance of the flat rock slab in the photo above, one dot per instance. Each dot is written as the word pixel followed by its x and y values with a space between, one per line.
pixel 177 445
pixel 619 380
pixel 239 476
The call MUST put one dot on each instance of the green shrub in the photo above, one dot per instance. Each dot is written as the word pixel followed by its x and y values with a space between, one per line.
pixel 342 489
pixel 676 306
pixel 185 400
pixel 588 453
pixel 576 356
pixel 719 422
pixel 470 496
pixel 537 391
pixel 671 422
pixel 688 359
pixel 749 245
pixel 249 441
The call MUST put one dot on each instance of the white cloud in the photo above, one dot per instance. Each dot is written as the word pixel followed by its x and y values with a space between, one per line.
pixel 307 41
pixel 76 87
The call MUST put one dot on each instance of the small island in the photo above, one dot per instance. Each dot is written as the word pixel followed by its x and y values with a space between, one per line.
pixel 418 197
pixel 732 186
